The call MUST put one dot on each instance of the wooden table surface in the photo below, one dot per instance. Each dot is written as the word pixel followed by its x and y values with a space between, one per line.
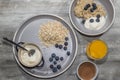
pixel 14 12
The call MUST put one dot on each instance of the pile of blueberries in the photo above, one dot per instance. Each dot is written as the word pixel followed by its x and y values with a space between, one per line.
pixel 63 46
pixel 94 7
pixel 97 20
pixel 92 20
pixel 54 59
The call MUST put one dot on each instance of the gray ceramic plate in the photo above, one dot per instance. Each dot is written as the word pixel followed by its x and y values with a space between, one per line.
pixel 108 6
pixel 28 33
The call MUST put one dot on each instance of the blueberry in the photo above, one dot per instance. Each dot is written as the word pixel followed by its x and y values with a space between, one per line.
pixel 68 53
pixel 56 58
pixel 58 66
pixel 83 21
pixel 66 38
pixel 65 48
pixel 97 20
pixel 54 69
pixel 94 8
pixel 91 10
pixel 98 16
pixel 91 20
pixel 55 62
pixel 61 58
pixel 51 66
pixel 66 43
pixel 94 5
pixel 56 45
pixel 60 46
pixel 50 59
pixel 85 8
pixel 88 5
pixel 53 55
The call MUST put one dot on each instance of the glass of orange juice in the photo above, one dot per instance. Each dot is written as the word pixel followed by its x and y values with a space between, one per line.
pixel 97 49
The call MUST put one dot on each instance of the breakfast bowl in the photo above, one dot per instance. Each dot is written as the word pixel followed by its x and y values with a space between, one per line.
pixel 32 57
pixel 79 23
pixel 58 57
pixel 87 70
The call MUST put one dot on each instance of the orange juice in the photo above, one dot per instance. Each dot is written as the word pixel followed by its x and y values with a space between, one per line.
pixel 97 49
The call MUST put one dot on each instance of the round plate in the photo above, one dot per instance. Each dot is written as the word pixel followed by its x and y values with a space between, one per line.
pixel 28 33
pixel 108 6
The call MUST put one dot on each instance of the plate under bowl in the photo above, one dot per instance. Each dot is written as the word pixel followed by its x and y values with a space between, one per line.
pixel 28 32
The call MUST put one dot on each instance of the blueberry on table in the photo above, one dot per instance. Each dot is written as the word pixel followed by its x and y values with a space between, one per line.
pixel 56 58
pixel 50 59
pixel 65 43
pixel 91 20
pixel 58 66
pixel 68 53
pixel 97 20
pixel 51 66
pixel 56 45
pixel 60 46
pixel 54 69
pixel 55 62
pixel 61 58
pixel 66 38
pixel 53 55
pixel 65 48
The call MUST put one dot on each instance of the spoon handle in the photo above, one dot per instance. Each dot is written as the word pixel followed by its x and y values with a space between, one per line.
pixel 14 43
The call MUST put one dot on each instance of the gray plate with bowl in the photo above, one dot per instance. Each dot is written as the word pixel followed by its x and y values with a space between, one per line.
pixel 28 33
pixel 110 15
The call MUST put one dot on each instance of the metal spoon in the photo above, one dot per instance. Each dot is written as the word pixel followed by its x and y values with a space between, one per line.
pixel 30 52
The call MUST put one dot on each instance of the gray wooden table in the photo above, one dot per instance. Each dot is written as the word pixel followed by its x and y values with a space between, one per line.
pixel 14 12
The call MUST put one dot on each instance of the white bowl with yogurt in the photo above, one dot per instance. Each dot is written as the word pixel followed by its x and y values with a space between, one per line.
pixel 30 60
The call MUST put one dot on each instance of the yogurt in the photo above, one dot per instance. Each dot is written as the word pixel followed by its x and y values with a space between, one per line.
pixel 26 59
pixel 94 24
